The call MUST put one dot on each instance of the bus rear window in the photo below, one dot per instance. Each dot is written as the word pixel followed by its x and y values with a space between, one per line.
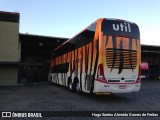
pixel 120 28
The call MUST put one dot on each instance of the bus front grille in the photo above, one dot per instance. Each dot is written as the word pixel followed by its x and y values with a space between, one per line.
pixel 121 59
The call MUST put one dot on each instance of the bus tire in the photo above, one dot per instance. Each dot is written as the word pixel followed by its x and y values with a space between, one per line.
pixel 77 86
pixel 70 86
pixel 50 80
pixel 78 89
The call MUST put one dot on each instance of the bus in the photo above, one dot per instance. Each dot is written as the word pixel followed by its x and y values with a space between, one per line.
pixel 105 57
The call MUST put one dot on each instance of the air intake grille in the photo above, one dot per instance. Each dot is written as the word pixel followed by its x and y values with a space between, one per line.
pixel 121 59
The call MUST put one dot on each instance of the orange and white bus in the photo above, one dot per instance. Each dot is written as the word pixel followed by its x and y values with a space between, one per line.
pixel 103 58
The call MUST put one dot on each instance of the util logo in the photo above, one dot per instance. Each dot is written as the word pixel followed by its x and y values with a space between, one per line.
pixel 122 27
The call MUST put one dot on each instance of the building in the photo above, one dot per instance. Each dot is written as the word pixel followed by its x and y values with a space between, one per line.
pixel 35 56
pixel 151 55
pixel 9 47
pixel 25 58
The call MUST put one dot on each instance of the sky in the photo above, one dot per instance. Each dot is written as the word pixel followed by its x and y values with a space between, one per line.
pixel 66 18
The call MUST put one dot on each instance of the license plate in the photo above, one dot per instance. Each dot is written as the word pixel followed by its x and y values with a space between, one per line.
pixel 122 86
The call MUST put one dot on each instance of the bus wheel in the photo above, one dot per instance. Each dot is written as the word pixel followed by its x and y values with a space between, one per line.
pixel 70 85
pixel 50 80
pixel 78 89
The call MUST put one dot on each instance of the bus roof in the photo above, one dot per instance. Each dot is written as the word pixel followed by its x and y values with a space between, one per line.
pixel 88 27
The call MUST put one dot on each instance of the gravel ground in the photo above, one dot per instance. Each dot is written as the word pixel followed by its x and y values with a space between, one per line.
pixel 46 97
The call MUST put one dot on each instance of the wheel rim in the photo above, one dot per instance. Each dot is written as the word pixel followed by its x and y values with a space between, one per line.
pixel 70 85
pixel 78 87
